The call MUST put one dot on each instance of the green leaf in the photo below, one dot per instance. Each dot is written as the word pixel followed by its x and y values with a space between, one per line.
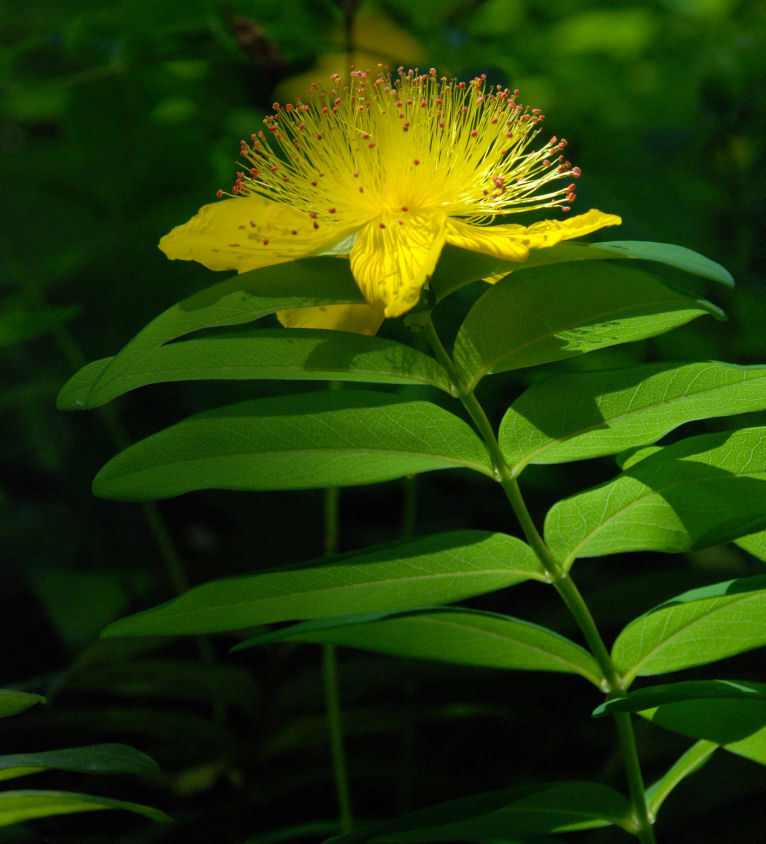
pixel 453 634
pixel 694 758
pixel 293 354
pixel 95 759
pixel 547 314
pixel 304 441
pixel 695 628
pixel 241 299
pixel 653 696
pixel 400 575
pixel 19 322
pixel 737 724
pixel 754 544
pixel 699 492
pixel 530 811
pixel 589 414
pixel 458 267
pixel 13 702
pixel 18 806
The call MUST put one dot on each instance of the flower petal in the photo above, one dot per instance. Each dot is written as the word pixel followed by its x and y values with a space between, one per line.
pixel 359 319
pixel 513 242
pixel 391 260
pixel 246 233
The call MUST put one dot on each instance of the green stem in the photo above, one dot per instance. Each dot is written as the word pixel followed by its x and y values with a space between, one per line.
pixel 332 702
pixel 565 586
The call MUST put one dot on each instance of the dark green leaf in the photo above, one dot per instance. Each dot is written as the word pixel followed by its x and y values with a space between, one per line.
pixel 13 702
pixel 678 692
pixel 18 806
pixel 270 353
pixel 95 759
pixel 547 314
pixel 530 811
pixel 694 628
pixel 19 322
pixel 699 492
pixel 589 414
pixel 244 298
pixel 295 442
pixel 452 634
pixel 694 758
pixel 401 575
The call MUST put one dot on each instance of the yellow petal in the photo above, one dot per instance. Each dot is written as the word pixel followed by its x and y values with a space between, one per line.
pixel 393 257
pixel 359 319
pixel 513 242
pixel 246 233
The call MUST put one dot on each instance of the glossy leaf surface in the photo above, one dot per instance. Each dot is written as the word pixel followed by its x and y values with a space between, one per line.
pixel 699 492
pixel 18 806
pixel 291 354
pixel 694 758
pixel 535 810
pixel 551 313
pixel 452 634
pixel 697 627
pixel 13 702
pixel 304 441
pixel 443 567
pixel 589 414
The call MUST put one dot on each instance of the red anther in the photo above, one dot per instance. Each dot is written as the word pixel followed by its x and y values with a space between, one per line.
pixel 235 189
pixel 365 137
pixel 464 110
pixel 563 142
pixel 405 209
pixel 479 100
pixel 537 111
pixel 576 172
pixel 485 191
pixel 572 187
pixel 252 224
pixel 319 136
pixel 441 124
pixel 546 163
pixel 401 222
pixel 253 137
pixel 382 225
pixel 409 102
pixel 524 118
pixel 313 215
pixel 361 108
pixel 423 103
pixel 553 141
pixel 515 92
pixel 274 168
pixel 356 174
pixel 439 101
pixel 254 172
pixel 313 184
pixel 316 225
pixel 294 231
pixel 266 242
pixel 337 101
pixel 494 120
pixel 241 227
pixel 289 106
pixel 275 106
pixel 285 178
pixel 503 153
pixel 370 145
pixel 273 128
pixel 301 126
pixel 565 208
pixel 361 189
pixel 332 210
pixel 399 103
pixel 219 193
pixel 416 161
pixel 474 133
pixel 570 197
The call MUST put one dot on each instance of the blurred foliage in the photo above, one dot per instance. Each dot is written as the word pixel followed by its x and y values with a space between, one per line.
pixel 117 121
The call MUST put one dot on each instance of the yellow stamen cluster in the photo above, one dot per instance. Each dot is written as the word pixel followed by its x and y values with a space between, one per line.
pixel 378 148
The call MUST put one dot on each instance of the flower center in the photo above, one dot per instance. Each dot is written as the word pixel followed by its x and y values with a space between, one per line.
pixel 420 143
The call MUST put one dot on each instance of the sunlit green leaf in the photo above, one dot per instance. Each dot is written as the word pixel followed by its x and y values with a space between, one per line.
pixel 699 492
pixel 452 634
pixel 694 758
pixel 304 441
pixel 95 759
pixel 269 353
pixel 551 313
pixel 754 543
pixel 697 627
pixel 530 811
pixel 18 806
pixel 401 575
pixel 13 702
pixel 588 414
pixel 244 298
pixel 653 696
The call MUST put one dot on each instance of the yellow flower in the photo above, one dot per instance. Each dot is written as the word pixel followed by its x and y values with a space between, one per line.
pixel 387 172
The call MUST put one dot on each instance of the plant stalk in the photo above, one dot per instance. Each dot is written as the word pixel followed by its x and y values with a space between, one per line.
pixel 560 579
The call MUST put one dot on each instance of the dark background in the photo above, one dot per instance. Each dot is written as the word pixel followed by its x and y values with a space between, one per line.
pixel 117 121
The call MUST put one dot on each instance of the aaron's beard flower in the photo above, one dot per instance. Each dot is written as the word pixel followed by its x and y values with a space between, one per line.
pixel 387 171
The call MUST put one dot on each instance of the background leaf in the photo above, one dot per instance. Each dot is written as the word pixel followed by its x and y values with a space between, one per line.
pixel 96 759
pixel 292 354
pixel 18 806
pixel 689 762
pixel 401 575
pixel 13 702
pixel 304 441
pixel 551 313
pixel 697 627
pixel 670 501
pixel 589 414
pixel 534 810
